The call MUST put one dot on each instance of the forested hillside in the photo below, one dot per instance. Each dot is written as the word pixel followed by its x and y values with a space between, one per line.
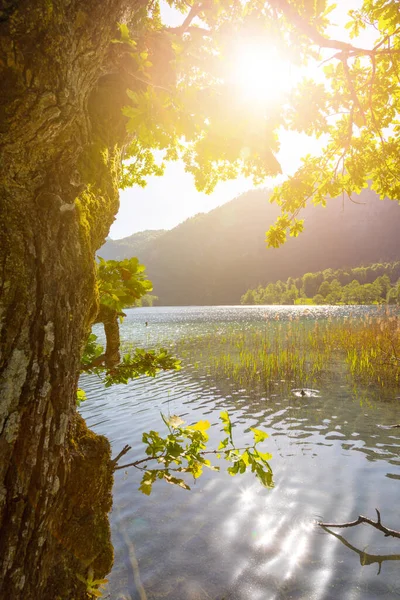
pixel 213 258
pixel 373 284
pixel 134 245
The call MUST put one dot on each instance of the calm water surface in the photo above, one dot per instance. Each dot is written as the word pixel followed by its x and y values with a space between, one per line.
pixel 230 538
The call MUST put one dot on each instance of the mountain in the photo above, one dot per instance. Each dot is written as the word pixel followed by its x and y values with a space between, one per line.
pixel 214 258
pixel 134 245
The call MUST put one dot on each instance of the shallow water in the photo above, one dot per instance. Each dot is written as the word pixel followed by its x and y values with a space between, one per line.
pixel 230 538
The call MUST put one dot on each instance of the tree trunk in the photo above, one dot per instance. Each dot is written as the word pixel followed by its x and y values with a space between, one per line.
pixel 61 136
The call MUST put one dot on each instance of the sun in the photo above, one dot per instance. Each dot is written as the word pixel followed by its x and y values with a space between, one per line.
pixel 259 74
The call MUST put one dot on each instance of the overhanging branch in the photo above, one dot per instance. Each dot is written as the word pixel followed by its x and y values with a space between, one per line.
pixel 192 14
pixel 323 42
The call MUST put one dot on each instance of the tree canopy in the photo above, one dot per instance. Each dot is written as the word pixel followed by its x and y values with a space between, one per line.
pixel 346 93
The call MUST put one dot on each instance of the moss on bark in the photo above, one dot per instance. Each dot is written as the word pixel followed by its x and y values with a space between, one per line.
pixel 62 134
pixel 82 535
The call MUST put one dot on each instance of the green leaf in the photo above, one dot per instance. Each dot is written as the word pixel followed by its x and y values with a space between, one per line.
pixel 174 421
pixel 175 481
pixel 264 476
pixel 233 470
pixel 264 456
pixel 124 32
pixel 196 468
pixel 259 436
pixel 200 426
pixel 227 425
pixel 246 458
pixel 80 396
pixel 147 481
pixel 223 444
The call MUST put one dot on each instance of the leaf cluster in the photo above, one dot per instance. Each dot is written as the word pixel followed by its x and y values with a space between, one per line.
pixel 91 351
pixel 183 451
pixel 194 114
pixel 92 585
pixel 182 103
pixel 122 282
pixel 356 108
pixel 133 365
pixel 140 362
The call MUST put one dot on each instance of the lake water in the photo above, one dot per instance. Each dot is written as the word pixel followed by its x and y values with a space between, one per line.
pixel 229 538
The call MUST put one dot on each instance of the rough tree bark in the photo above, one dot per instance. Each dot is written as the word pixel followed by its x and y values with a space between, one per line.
pixel 62 133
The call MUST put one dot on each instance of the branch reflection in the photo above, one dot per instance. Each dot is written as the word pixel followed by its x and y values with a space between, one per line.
pixel 365 558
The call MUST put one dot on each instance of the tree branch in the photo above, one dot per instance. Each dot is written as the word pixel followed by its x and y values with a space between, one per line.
pixel 309 30
pixel 136 463
pixel 377 524
pixel 124 450
pixel 109 318
pixel 192 14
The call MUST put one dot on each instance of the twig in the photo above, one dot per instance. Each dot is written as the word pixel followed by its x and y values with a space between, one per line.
pixel 309 30
pixel 192 14
pixel 377 524
pixel 124 450
pixel 136 463
pixel 354 201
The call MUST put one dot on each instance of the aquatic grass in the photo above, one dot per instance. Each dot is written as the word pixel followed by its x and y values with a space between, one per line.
pixel 372 347
pixel 299 352
pixel 275 353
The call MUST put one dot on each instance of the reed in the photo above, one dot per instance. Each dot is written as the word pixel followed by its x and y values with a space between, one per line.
pixel 372 348
pixel 299 352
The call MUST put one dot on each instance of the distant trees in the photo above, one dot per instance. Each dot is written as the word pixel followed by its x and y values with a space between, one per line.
pixel 311 283
pixel 147 300
pixel 335 292
pixel 374 284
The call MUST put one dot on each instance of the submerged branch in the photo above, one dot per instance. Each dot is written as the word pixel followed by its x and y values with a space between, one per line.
pixel 377 524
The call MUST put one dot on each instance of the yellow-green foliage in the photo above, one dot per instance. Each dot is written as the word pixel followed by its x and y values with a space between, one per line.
pixel 372 347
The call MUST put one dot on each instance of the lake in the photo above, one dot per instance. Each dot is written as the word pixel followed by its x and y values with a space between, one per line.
pixel 229 538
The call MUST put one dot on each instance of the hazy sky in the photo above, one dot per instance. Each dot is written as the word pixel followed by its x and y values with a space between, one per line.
pixel 169 200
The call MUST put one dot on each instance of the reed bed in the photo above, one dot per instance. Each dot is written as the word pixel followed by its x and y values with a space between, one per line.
pixel 300 352
pixel 371 346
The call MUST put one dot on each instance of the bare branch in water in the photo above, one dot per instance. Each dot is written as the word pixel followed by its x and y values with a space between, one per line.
pixel 377 524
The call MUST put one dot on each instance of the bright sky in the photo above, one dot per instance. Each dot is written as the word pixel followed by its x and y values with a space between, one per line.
pixel 171 199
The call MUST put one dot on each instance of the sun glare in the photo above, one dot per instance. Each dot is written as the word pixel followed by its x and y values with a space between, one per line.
pixel 259 74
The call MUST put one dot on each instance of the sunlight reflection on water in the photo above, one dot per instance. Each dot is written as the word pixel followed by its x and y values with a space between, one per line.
pixel 229 538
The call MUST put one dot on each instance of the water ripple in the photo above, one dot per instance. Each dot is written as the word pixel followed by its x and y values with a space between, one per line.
pixel 231 538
